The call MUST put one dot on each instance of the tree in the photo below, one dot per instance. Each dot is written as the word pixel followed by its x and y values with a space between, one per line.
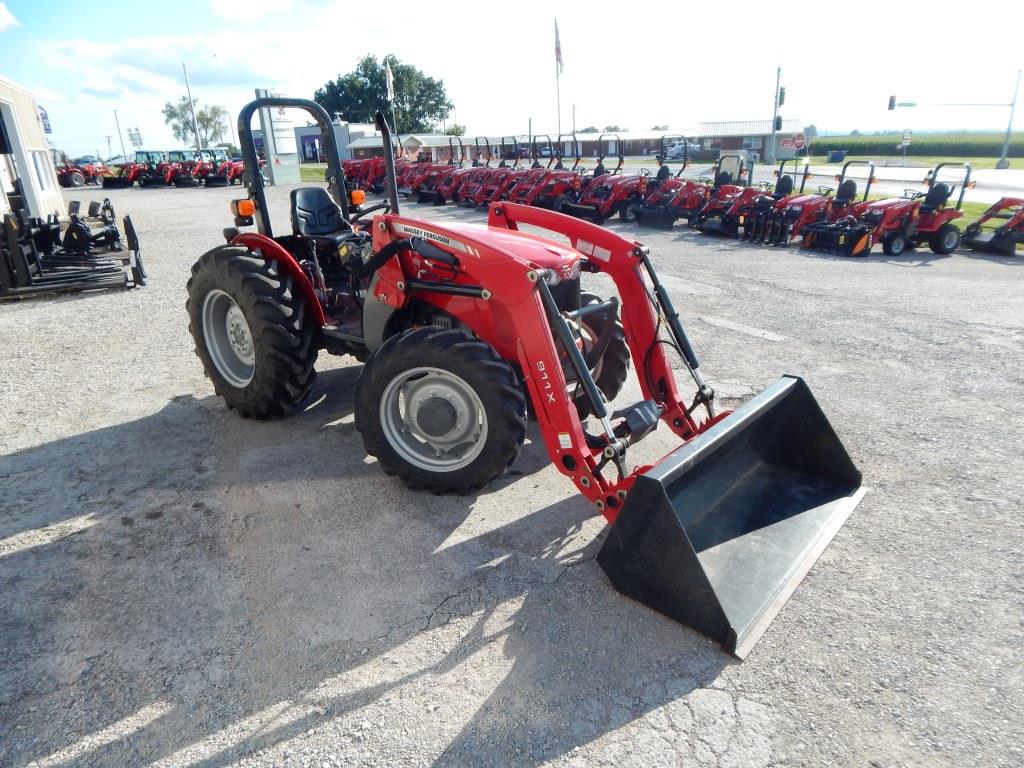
pixel 420 101
pixel 660 128
pixel 210 119
pixel 613 128
pixel 589 129
pixel 811 131
pixel 855 132
pixel 455 129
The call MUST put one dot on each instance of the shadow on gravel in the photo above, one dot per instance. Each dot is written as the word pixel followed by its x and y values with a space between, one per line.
pixel 191 587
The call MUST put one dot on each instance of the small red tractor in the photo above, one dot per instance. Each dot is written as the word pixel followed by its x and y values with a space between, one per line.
pixel 125 175
pixel 757 227
pixel 685 199
pixel 987 234
pixel 898 223
pixel 613 193
pixel 227 171
pixel 459 326
pixel 77 175
pixel 495 185
pixel 525 183
pixel 791 215
pixel 427 191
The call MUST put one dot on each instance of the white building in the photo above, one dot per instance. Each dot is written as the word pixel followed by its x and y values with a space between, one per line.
pixel 27 176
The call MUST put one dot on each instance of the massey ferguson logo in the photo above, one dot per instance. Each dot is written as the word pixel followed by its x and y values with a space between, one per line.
pixel 417 232
pixel 545 381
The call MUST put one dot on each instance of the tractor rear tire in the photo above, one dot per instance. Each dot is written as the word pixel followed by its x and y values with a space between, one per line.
pixel 894 244
pixel 76 179
pixel 945 239
pixel 560 202
pixel 612 369
pixel 252 332
pixel 445 375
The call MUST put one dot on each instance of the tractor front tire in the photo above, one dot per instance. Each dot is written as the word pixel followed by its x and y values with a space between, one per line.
pixel 441 410
pixel 894 244
pixel 628 210
pixel 612 370
pixel 945 240
pixel 252 332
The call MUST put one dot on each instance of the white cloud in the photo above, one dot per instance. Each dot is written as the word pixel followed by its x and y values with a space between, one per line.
pixel 7 20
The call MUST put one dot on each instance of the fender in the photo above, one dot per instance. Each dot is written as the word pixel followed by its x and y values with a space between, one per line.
pixel 271 250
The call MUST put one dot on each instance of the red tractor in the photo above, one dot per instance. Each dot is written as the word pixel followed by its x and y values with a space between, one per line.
pixel 898 223
pixel 791 215
pixel 126 174
pixel 757 225
pixel 461 325
pixel 1004 238
pixel 439 174
pixel 613 193
pixel 79 174
pixel 685 199
pixel 495 185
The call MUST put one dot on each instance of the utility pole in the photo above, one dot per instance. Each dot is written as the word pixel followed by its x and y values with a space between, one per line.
pixel 775 116
pixel 1004 161
pixel 119 136
pixel 192 107
pixel 110 152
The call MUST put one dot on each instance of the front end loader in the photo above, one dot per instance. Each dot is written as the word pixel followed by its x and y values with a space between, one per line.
pixel 999 230
pixel 461 325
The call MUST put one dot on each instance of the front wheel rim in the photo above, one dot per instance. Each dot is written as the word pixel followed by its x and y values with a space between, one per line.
pixel 951 240
pixel 228 339
pixel 433 419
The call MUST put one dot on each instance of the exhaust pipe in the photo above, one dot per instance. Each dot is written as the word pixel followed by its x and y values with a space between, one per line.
pixel 389 159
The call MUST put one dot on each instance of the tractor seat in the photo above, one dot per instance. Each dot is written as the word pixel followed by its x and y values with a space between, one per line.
pixel 846 192
pixel 937 197
pixel 723 178
pixel 317 217
pixel 784 188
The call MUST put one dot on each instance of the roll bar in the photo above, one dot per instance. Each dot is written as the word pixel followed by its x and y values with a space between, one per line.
pixel 933 175
pixel 253 179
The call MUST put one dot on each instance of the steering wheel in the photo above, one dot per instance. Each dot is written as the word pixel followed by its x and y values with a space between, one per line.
pixel 824 191
pixel 912 194
pixel 645 171
pixel 703 179
pixel 766 186
pixel 386 205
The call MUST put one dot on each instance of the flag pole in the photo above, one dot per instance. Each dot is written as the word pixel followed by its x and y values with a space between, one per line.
pixel 558 76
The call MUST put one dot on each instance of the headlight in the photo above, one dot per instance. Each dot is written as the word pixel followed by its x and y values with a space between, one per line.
pixel 797 209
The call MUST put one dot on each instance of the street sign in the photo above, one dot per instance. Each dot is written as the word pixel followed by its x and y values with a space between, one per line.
pixel 906 137
pixel 799 141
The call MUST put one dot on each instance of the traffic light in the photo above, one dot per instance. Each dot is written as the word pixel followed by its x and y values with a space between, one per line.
pixel 782 96
pixel 892 103
pixel 778 122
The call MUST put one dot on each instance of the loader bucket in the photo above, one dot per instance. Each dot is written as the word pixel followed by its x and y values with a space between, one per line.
pixel 660 217
pixel 587 212
pixel 719 534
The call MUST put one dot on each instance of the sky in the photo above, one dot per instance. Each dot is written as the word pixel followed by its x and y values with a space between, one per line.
pixel 634 66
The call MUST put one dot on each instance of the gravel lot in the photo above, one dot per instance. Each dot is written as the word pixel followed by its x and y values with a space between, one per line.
pixel 181 587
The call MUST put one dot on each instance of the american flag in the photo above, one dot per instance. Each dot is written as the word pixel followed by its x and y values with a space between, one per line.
pixel 389 80
pixel 558 50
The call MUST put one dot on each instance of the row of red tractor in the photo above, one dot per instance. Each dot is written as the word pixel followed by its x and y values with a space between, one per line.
pixel 842 220
pixel 179 167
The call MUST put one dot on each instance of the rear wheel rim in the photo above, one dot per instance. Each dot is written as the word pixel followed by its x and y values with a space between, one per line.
pixel 433 419
pixel 228 339
pixel 949 242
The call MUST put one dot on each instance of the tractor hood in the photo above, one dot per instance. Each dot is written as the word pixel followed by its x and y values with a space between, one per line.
pixel 473 240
